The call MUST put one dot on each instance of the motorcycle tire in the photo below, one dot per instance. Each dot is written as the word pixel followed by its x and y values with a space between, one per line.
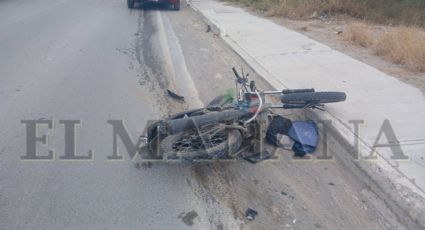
pixel 130 4
pixel 318 97
pixel 173 144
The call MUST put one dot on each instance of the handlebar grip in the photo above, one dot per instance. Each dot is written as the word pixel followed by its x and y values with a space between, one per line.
pixel 236 73
pixel 288 91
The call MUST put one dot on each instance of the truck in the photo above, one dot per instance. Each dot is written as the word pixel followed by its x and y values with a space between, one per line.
pixel 171 4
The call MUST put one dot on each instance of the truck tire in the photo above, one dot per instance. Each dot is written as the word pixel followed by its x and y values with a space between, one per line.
pixel 130 4
pixel 175 6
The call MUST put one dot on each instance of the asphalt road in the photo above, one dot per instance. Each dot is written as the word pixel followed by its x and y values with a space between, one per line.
pixel 96 61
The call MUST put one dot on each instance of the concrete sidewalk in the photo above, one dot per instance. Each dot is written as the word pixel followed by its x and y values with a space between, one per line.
pixel 287 59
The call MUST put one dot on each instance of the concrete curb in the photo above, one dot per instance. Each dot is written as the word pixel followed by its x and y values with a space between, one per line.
pixel 398 197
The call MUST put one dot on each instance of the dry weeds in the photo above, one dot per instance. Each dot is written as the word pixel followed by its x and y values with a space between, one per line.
pixel 359 34
pixel 396 12
pixel 404 46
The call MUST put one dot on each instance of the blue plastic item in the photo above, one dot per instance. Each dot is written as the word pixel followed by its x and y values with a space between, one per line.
pixel 306 137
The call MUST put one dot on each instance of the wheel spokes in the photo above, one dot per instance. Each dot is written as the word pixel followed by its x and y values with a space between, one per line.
pixel 200 141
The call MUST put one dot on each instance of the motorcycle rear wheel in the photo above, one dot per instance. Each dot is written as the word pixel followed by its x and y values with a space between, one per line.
pixel 190 145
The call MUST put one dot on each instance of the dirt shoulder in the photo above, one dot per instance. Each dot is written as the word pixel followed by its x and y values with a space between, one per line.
pixel 287 193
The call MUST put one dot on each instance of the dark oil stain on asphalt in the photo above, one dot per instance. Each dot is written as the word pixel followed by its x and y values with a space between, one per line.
pixel 188 218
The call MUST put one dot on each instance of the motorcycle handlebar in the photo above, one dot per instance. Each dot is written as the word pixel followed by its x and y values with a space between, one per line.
pixel 236 74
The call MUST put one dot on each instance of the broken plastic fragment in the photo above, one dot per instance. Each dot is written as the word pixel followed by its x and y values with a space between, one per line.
pixel 174 95
pixel 250 214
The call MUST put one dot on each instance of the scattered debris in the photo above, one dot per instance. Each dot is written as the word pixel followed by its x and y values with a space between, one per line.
pixel 174 95
pixel 188 218
pixel 331 183
pixel 324 17
pixel 208 29
pixel 250 214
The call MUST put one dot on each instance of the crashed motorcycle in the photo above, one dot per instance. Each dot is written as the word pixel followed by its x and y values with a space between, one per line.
pixel 229 128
